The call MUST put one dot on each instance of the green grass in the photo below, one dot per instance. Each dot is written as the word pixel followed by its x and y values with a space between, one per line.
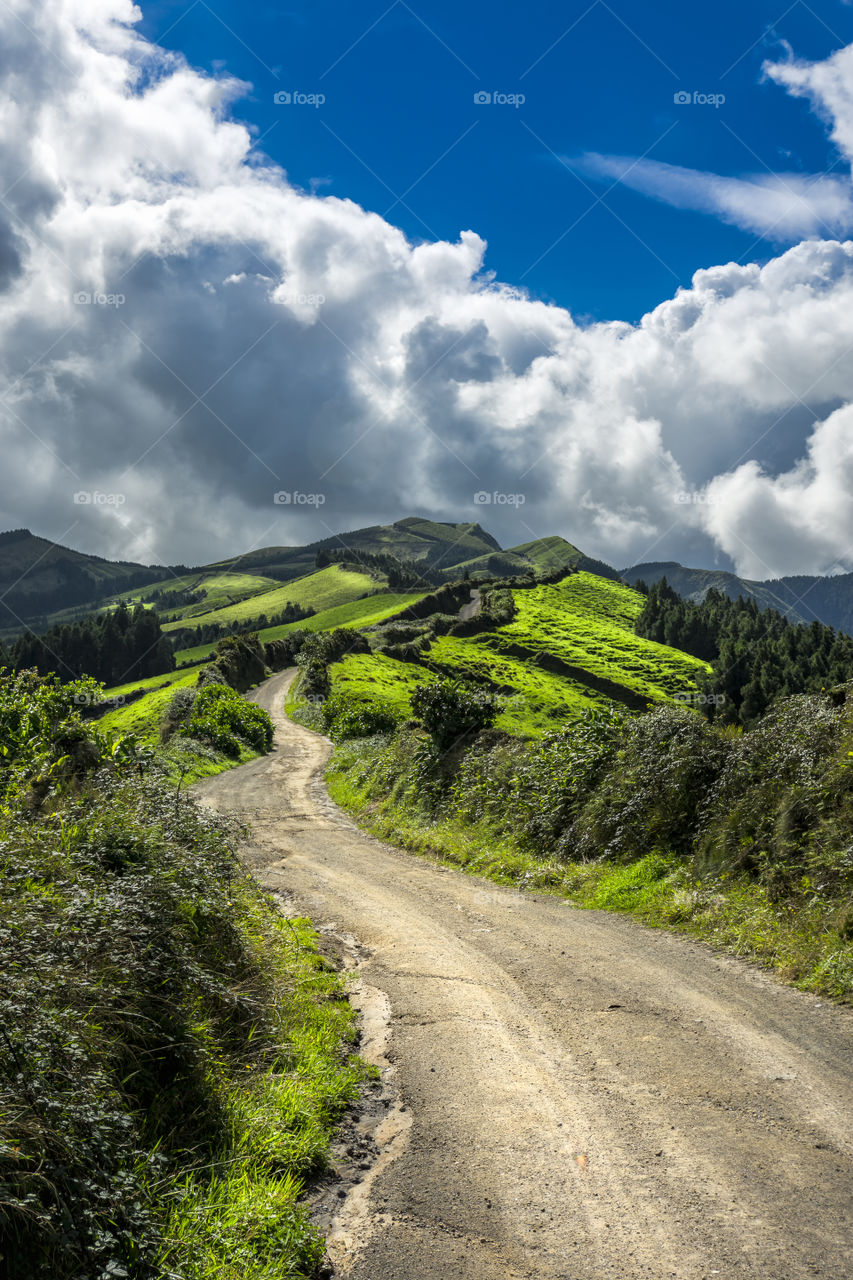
pixel 149 682
pixel 220 589
pixel 143 716
pixel 536 700
pixel 374 678
pixel 585 621
pixel 588 622
pixel 358 613
pixel 322 590
pixel 246 1216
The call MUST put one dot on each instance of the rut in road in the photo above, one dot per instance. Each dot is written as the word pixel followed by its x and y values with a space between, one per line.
pixel 580 1097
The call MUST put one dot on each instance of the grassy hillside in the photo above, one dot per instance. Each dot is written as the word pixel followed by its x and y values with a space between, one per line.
pixel 325 589
pixel 39 577
pixel 358 613
pixel 409 539
pixel 219 589
pixel 569 648
pixel 143 716
pixel 587 622
pixel 543 554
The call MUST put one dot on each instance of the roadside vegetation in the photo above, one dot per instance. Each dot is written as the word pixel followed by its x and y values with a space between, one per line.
pixel 481 749
pixel 173 1052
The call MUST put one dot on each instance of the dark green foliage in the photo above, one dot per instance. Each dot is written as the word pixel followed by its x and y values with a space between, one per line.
pixel 411 575
pixel 144 988
pixel 114 647
pixel 652 792
pixel 345 717
pixel 782 809
pixel 320 648
pixel 224 720
pixel 240 661
pixel 757 655
pixel 449 710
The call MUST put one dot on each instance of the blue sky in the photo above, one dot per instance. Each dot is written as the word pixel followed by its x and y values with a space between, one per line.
pixel 401 134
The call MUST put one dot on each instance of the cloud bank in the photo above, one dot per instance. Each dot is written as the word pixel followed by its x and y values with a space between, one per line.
pixel 181 326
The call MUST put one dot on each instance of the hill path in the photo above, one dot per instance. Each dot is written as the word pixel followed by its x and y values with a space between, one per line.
pixel 580 1098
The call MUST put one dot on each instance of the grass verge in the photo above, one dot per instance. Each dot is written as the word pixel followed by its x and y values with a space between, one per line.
pixel 801 941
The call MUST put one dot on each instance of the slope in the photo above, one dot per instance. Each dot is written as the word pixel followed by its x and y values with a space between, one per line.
pixel 38 577
pixel 570 647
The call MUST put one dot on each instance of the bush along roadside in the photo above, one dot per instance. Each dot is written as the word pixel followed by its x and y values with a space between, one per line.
pixel 173 1052
pixel 740 837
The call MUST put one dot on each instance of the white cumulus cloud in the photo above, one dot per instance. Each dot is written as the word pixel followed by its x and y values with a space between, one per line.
pixel 182 326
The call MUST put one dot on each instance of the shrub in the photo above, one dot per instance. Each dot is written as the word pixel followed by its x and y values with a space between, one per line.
pixel 449 709
pixel 225 720
pixel 653 789
pixel 345 717
pixel 782 809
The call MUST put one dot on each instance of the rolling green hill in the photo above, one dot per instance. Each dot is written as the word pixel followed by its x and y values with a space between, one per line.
pixel 358 613
pixel 570 646
pixel 39 577
pixel 543 554
pixel 324 589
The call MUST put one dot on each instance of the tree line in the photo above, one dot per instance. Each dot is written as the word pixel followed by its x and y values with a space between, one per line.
pixel 114 647
pixel 756 655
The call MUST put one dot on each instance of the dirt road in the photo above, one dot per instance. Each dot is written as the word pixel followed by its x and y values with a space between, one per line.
pixel 579 1097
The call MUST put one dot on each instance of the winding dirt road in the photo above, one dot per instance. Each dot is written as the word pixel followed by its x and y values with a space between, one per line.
pixel 577 1096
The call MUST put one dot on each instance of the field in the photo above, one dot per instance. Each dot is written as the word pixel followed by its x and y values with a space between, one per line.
pixel 584 623
pixel 534 701
pixel 358 613
pixel 379 680
pixel 322 590
pixel 587 622
pixel 143 716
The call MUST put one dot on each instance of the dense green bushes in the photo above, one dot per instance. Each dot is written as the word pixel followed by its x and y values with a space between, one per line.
pixel 172 1050
pixel 668 807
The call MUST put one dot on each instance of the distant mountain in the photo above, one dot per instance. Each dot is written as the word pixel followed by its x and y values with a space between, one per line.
pixel 39 577
pixel 801 598
pixel 452 549
pixel 42 582
pixel 440 546
pixel 545 553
